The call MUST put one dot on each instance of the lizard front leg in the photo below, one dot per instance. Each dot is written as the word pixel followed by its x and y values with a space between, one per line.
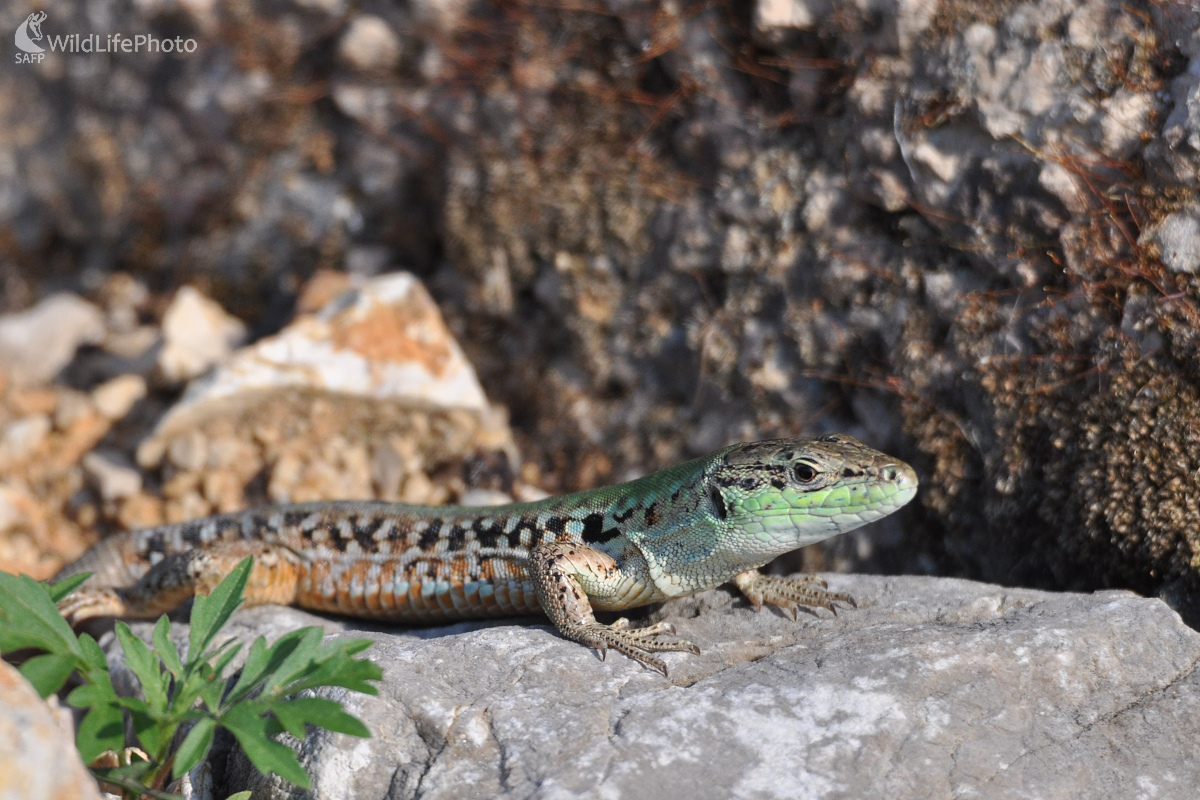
pixel 789 593
pixel 181 576
pixel 565 574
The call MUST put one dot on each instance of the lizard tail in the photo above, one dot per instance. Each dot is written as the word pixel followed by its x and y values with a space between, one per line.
pixel 108 561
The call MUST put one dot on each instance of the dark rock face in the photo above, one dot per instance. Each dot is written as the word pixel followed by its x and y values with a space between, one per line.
pixel 961 229
pixel 659 228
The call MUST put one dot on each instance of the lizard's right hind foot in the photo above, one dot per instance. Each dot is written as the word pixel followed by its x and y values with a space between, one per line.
pixel 790 594
pixel 87 603
pixel 179 577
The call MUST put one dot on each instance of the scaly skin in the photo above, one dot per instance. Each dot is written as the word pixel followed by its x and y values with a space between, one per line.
pixel 670 534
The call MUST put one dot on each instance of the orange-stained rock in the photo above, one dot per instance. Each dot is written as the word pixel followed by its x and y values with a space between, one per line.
pixel 385 340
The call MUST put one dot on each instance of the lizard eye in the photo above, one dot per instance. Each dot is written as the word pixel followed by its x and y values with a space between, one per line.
pixel 805 473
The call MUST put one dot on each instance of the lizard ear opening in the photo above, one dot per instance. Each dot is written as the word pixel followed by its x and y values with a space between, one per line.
pixel 718 503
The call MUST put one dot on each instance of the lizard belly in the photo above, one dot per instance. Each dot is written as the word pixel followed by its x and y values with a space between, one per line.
pixel 637 593
pixel 395 592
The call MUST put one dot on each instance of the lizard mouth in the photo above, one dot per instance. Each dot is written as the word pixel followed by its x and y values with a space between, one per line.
pixel 868 498
pixel 802 517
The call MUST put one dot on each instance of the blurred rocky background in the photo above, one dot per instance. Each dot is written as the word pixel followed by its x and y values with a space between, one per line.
pixel 448 250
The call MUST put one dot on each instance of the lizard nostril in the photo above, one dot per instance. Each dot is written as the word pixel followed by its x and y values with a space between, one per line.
pixel 890 474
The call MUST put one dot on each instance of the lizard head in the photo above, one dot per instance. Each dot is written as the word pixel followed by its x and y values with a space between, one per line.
pixel 776 496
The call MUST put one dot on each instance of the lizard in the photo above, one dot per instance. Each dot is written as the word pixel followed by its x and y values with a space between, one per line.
pixel 672 533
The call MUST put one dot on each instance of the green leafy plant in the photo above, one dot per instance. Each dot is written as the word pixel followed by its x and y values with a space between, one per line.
pixel 180 691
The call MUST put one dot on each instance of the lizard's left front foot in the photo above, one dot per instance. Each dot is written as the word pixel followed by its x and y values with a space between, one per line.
pixel 789 593
pixel 637 643
pixel 564 572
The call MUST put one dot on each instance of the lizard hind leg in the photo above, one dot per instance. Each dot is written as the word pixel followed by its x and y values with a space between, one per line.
pixel 564 574
pixel 181 576
pixel 789 593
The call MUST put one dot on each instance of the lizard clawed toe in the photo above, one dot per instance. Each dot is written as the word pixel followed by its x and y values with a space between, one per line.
pixel 790 594
pixel 636 643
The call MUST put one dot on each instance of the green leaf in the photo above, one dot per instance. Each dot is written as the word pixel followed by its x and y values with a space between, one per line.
pixel 206 680
pixel 331 666
pixel 49 671
pixel 338 669
pixel 263 663
pixel 67 585
pixel 165 648
pixel 195 747
pixel 240 796
pixel 290 720
pixel 95 664
pixel 254 668
pixel 210 613
pixel 135 704
pixel 93 655
pixel 224 655
pixel 211 694
pixel 103 728
pixel 90 695
pixel 144 665
pixel 152 732
pixel 349 647
pixel 297 661
pixel 293 714
pixel 267 755
pixel 31 618
pixel 188 690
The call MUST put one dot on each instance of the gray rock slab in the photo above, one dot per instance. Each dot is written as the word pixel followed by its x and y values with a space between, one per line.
pixel 932 688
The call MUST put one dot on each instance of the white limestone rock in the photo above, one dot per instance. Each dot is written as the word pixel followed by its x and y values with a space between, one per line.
pixel 1178 239
pixel 799 14
pixel 197 333
pixel 931 688
pixel 21 437
pixel 383 340
pixel 16 501
pixel 369 45
pixel 116 397
pixel 112 474
pixel 37 343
